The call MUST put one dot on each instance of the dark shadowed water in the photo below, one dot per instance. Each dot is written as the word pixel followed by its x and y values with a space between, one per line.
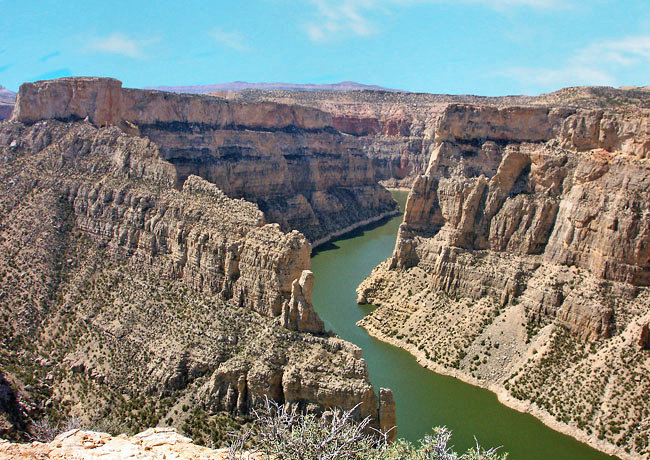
pixel 424 399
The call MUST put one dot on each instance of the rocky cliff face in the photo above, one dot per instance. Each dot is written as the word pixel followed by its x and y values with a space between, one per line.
pixel 523 264
pixel 397 130
pixel 291 161
pixel 162 301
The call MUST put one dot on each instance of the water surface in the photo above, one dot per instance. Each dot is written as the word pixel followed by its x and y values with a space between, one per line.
pixel 424 399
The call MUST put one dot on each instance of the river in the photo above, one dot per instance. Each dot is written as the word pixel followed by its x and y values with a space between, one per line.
pixel 424 399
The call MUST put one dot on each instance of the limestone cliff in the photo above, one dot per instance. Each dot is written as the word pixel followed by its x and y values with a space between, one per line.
pixel 128 299
pixel 523 265
pixel 290 160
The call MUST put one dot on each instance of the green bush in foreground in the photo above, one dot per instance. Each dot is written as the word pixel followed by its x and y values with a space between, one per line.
pixel 285 434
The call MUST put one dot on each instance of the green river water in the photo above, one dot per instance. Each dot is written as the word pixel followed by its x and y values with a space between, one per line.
pixel 424 399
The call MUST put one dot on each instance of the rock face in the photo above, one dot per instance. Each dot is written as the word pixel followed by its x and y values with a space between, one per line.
pixel 164 299
pixel 388 420
pixel 523 263
pixel 289 160
pixel 154 443
pixel 397 129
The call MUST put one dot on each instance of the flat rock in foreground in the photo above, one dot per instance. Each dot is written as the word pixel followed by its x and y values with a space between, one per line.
pixel 156 443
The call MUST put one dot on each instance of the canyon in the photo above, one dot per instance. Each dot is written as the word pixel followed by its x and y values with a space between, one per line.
pixel 397 130
pixel 155 252
pixel 288 159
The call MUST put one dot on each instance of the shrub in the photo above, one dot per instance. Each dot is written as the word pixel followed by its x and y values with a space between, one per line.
pixel 45 430
pixel 282 432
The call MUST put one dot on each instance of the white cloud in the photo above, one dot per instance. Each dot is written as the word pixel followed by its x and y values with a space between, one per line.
pixel 596 64
pixel 234 40
pixel 335 17
pixel 625 51
pixel 350 17
pixel 570 75
pixel 117 43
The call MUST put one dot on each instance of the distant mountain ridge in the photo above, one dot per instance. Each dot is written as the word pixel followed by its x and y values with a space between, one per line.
pixel 7 100
pixel 242 85
pixel 6 96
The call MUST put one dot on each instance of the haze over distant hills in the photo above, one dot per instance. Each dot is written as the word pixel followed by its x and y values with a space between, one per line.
pixel 241 85
pixel 6 96
pixel 7 99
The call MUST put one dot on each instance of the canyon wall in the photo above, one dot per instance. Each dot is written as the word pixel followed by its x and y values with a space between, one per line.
pixel 523 265
pixel 397 130
pixel 292 161
pixel 161 300
pixel 394 130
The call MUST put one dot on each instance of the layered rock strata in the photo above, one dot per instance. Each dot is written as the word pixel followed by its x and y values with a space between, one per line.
pixel 127 299
pixel 523 265
pixel 397 129
pixel 292 161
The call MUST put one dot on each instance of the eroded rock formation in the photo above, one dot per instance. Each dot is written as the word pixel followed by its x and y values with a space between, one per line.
pixel 523 264
pixel 290 160
pixel 397 129
pixel 156 297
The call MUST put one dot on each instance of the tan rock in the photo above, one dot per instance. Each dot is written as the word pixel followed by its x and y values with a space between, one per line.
pixel 154 443
pixel 170 293
pixel 288 159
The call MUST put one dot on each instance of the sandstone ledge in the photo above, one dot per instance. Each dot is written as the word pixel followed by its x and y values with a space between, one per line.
pixel 154 443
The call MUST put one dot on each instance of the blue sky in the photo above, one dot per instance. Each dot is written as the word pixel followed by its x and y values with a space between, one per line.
pixel 489 47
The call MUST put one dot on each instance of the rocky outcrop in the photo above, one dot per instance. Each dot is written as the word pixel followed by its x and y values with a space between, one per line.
pixel 298 313
pixel 387 418
pixel 523 262
pixel 154 443
pixel 644 337
pixel 151 293
pixel 529 199
pixel 289 160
